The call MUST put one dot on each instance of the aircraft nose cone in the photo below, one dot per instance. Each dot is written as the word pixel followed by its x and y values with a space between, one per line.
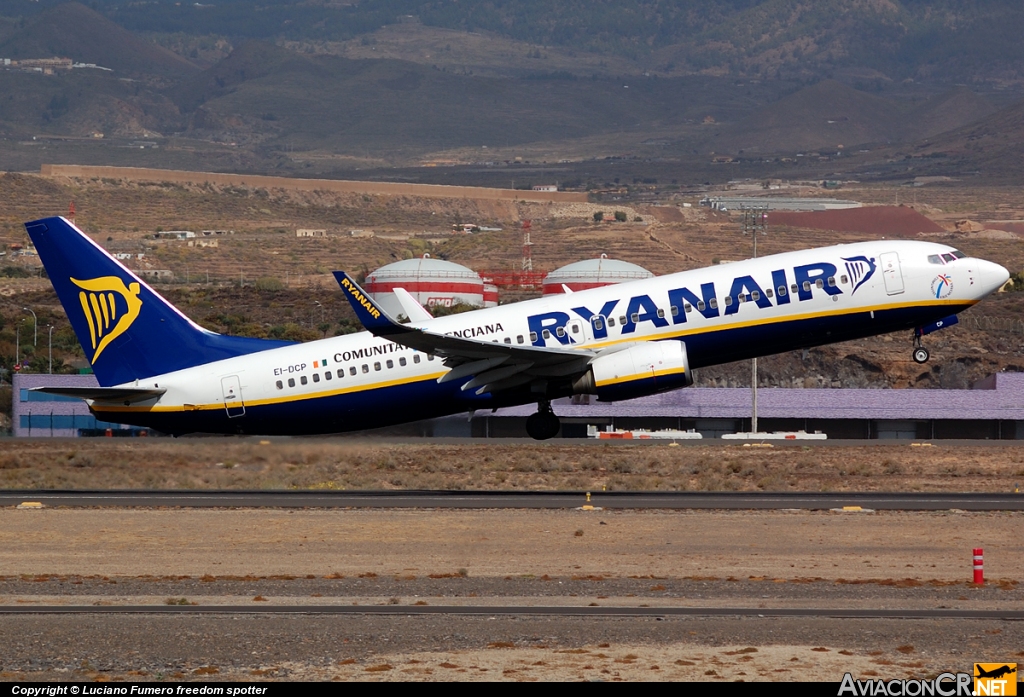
pixel 990 276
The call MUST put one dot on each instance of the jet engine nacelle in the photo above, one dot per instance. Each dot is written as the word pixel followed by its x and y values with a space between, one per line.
pixel 648 368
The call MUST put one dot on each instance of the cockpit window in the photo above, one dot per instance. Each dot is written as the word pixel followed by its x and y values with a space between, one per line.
pixel 934 259
pixel 948 258
pixel 958 254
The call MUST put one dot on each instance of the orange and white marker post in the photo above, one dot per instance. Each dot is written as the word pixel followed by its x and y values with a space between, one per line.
pixel 979 566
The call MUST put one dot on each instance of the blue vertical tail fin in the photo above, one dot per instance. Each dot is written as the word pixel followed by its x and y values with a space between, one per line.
pixel 128 332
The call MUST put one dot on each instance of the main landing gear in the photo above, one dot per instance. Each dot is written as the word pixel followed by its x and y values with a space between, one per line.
pixel 920 353
pixel 544 424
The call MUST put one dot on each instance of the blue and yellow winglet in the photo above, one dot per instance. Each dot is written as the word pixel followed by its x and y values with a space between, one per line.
pixel 372 316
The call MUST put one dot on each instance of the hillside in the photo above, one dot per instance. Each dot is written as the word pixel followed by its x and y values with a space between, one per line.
pixel 74 31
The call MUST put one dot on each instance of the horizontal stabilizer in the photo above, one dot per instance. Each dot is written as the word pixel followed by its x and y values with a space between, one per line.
pixel 103 394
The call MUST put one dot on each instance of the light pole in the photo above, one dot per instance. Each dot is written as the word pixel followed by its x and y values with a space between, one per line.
pixel 51 348
pixel 755 220
pixel 35 327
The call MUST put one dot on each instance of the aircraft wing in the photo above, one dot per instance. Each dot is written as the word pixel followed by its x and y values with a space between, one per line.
pixel 105 394
pixel 493 366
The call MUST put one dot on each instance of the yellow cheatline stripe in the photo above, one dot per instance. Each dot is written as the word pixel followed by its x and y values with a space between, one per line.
pixel 641 376
pixel 262 402
pixel 88 317
pixel 628 339
pixel 713 326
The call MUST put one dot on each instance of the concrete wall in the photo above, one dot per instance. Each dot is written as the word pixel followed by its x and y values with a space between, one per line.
pixel 336 185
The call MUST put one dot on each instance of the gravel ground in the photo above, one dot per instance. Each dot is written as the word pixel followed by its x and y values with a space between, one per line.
pixel 402 557
pixel 446 648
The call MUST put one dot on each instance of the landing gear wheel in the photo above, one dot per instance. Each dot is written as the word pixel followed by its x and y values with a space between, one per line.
pixel 544 424
pixel 921 354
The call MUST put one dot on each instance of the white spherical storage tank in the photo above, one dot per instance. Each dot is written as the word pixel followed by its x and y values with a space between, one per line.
pixel 432 282
pixel 593 273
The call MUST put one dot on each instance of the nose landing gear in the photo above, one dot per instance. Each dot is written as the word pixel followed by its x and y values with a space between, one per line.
pixel 920 353
pixel 544 424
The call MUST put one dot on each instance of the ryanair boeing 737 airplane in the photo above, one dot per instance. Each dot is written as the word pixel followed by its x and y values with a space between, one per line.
pixel 158 369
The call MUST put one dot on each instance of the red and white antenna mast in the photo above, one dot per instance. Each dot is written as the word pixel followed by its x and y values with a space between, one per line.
pixel 71 213
pixel 527 244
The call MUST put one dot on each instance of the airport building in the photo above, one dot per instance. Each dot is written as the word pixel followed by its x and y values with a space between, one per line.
pixel 40 415
pixel 993 409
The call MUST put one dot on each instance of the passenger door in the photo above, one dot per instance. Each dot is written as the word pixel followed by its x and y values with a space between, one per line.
pixel 891 273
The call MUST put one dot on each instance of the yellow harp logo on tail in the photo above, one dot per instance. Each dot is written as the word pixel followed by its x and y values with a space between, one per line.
pixel 107 318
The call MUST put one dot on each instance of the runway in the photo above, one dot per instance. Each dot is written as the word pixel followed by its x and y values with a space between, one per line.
pixel 687 500
pixel 514 611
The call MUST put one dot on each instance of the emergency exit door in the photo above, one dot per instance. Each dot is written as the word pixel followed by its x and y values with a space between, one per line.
pixel 232 389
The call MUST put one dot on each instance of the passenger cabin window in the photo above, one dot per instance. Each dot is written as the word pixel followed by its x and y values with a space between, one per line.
pixel 533 337
pixel 622 319
pixel 546 334
pixel 611 321
pixel 819 283
pixel 280 385
pixel 291 382
pixel 376 365
pixel 352 370
pixel 519 339
pixel 508 340
pixel 303 380
pixel 807 285
pixel 634 317
pixel 316 377
pixel 390 363
pixel 661 313
pixel 575 329
pixel 713 303
pixel 689 308
pixel 416 358
pixel 341 373
pixel 366 368
pixel 402 361
pixel 796 289
pixel 430 356
pixel 328 375
pixel 674 310
pixel 728 300
pixel 560 332
pixel 844 279
pixel 598 324
pixel 701 306
pixel 782 291
pixel 768 292
pixel 755 296
pixel 831 281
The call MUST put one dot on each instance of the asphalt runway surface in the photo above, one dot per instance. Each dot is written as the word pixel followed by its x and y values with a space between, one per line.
pixel 891 501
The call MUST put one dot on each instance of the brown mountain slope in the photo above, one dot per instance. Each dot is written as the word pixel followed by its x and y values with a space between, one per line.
pixel 74 31
pixel 825 115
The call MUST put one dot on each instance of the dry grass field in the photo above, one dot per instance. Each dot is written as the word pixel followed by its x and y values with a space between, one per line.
pixel 229 463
